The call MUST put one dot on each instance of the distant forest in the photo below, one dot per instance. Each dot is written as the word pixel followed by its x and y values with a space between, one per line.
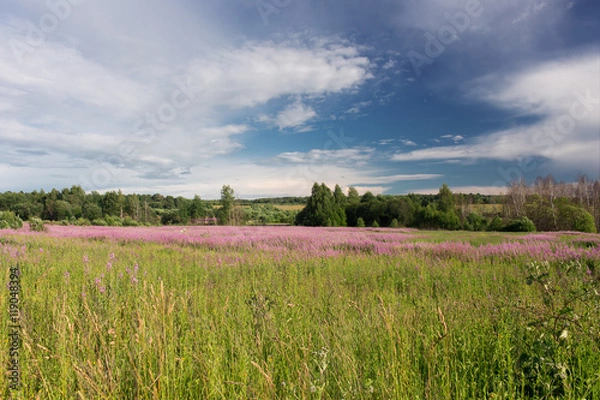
pixel 545 205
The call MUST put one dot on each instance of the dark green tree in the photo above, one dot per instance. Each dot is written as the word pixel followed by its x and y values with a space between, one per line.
pixel 353 196
pixel 110 204
pixel 226 212
pixel 197 209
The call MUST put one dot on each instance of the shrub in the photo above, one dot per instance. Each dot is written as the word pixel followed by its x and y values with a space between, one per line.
pixel 475 222
pixel 448 220
pixel 99 222
pixel 37 225
pixel 572 218
pixel 82 222
pixel 496 224
pixel 394 223
pixel 9 219
pixel 113 221
pixel 522 224
pixel 130 222
pixel 360 222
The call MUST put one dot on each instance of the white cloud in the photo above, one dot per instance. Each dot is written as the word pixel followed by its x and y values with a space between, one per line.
pixel 253 180
pixel 356 108
pixel 454 138
pixel 565 95
pixel 401 178
pixel 293 116
pixel 255 73
pixel 389 65
pixel 81 99
pixel 485 190
pixel 408 142
pixel 358 156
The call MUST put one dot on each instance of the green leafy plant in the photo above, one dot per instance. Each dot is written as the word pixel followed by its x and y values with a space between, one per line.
pixel 567 311
pixel 9 219
pixel 37 225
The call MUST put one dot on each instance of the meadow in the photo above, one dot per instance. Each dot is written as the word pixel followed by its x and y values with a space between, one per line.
pixel 302 313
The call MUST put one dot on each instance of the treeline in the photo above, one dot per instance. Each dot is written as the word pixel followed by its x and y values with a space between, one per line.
pixel 76 207
pixel 553 205
pixel 546 205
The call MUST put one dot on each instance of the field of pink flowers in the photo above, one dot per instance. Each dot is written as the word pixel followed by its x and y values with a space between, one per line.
pixel 330 242
pixel 301 313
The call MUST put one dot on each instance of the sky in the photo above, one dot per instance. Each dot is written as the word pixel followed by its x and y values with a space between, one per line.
pixel 182 97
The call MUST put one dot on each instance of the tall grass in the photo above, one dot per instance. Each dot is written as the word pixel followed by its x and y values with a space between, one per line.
pixel 105 319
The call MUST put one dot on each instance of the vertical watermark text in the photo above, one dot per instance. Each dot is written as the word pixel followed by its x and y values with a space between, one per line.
pixel 14 340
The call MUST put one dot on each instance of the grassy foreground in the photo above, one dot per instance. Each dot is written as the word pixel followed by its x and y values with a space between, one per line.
pixel 110 319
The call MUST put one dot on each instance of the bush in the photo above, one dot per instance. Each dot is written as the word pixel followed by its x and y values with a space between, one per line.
pixel 99 222
pixel 113 221
pixel 475 222
pixel 82 222
pixel 448 220
pixel 37 225
pixel 9 219
pixel 375 224
pixel 130 222
pixel 496 224
pixel 522 224
pixel 394 223
pixel 572 218
pixel 360 222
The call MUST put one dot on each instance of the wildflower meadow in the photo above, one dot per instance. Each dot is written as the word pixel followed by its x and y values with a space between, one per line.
pixel 298 313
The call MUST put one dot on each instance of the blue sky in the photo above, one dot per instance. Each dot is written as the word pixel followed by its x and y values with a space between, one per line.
pixel 269 96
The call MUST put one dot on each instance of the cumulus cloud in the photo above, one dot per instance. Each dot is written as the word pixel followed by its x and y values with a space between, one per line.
pixel 255 73
pixel 102 112
pixel 564 96
pixel 358 156
pixel 295 115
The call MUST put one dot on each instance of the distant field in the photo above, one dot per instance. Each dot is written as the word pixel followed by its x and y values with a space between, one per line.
pixel 302 313
pixel 290 207
pixel 487 209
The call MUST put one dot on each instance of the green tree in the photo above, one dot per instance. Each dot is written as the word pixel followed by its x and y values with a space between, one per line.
pixel 92 211
pixel 62 210
pixel 340 202
pixel 226 213
pixel 353 196
pixel 445 199
pixel 110 203
pixel 320 208
pixel 367 197
pixel 132 206
pixel 197 209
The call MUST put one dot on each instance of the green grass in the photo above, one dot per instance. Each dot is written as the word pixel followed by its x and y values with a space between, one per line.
pixel 250 326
